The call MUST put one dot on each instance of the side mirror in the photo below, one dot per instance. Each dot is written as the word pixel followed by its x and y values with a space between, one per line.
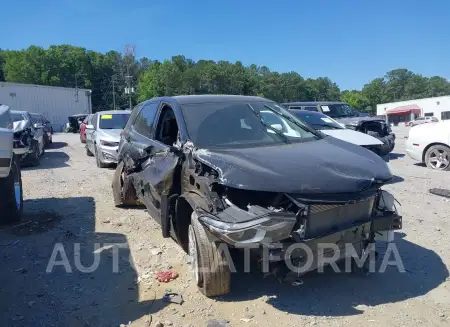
pixel 278 127
pixel 38 125
pixel 89 126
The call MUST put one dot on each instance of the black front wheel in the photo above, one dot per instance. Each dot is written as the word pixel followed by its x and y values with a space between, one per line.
pixel 11 205
pixel 34 157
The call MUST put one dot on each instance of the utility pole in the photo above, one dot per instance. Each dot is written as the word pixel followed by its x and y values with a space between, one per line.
pixel 76 85
pixel 114 91
pixel 129 55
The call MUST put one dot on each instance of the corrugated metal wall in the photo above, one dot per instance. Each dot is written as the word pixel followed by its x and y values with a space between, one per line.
pixel 55 103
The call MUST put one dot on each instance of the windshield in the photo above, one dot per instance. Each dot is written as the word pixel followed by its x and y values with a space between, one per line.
pixel 243 124
pixel 337 110
pixel 317 120
pixel 17 117
pixel 113 121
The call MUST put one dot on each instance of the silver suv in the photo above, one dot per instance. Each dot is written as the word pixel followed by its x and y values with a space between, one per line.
pixel 11 197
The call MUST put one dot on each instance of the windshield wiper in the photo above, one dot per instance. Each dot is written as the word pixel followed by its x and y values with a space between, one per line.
pixel 276 131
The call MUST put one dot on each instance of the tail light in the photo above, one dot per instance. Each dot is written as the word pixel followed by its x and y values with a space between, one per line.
pixel 121 134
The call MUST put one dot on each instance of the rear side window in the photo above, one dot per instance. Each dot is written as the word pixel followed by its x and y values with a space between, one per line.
pixel 144 123
pixel 311 108
pixel 5 120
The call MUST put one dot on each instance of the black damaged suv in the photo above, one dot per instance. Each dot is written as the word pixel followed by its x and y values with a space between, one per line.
pixel 216 175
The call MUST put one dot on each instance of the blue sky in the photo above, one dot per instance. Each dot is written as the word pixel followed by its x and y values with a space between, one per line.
pixel 350 41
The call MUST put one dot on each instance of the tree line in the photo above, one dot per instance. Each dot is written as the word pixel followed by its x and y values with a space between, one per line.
pixel 107 74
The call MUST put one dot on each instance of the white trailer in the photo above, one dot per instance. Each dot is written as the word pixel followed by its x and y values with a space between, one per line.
pixel 55 103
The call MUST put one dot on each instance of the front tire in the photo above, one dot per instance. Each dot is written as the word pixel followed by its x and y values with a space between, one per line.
pixel 35 158
pixel 210 267
pixel 124 193
pixel 11 195
pixel 437 157
pixel 88 152
pixel 100 164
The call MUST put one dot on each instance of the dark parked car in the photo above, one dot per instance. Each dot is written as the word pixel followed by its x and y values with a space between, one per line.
pixel 341 112
pixel 28 137
pixel 215 174
pixel 46 127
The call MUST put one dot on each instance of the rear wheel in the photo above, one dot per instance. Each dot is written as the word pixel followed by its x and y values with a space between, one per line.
pixel 11 194
pixel 438 157
pixel 209 265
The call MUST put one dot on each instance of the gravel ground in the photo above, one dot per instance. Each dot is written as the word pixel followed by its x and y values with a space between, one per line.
pixel 68 203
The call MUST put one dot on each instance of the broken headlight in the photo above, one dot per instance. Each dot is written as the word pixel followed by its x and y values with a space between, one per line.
pixel 263 230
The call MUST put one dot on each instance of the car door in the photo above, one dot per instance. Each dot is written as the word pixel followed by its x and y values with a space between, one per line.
pixel 137 138
pixel 92 123
pixel 159 172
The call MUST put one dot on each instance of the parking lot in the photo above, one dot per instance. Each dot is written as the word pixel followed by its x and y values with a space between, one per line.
pixel 68 202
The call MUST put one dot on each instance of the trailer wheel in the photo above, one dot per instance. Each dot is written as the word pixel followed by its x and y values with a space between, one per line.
pixel 124 193
pixel 11 194
pixel 210 268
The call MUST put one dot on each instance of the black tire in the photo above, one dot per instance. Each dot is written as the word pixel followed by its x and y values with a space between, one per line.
pixel 88 152
pixel 124 195
pixel 9 207
pixel 97 159
pixel 34 157
pixel 211 270
pixel 443 151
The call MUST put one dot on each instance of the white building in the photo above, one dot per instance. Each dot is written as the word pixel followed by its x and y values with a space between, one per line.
pixel 404 111
pixel 55 103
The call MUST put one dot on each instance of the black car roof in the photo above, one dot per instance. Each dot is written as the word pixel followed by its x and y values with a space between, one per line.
pixel 210 98
pixel 312 103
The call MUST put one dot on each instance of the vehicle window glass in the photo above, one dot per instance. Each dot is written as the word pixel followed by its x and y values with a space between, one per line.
pixel 295 107
pixel 94 120
pixel 5 120
pixel 337 110
pixel 237 124
pixel 317 120
pixel 167 128
pixel 311 108
pixel 145 120
pixel 17 117
pixel 113 121
pixel 445 115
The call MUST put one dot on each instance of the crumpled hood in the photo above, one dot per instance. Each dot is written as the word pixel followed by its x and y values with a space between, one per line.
pixel 324 166
pixel 20 125
pixel 352 136
pixel 353 121
pixel 110 134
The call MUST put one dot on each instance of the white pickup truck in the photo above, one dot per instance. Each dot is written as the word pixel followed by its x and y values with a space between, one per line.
pixel 11 197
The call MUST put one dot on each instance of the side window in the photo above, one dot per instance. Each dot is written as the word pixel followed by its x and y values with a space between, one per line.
pixel 5 120
pixel 311 108
pixel 295 107
pixel 145 120
pixel 94 121
pixel 167 128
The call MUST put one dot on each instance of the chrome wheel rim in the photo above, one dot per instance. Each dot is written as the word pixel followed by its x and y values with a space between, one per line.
pixel 193 254
pixel 439 159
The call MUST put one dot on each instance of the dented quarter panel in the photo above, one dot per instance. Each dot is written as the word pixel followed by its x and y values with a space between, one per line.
pixel 326 166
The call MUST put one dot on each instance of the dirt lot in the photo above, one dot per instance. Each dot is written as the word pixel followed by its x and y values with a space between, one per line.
pixel 68 201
